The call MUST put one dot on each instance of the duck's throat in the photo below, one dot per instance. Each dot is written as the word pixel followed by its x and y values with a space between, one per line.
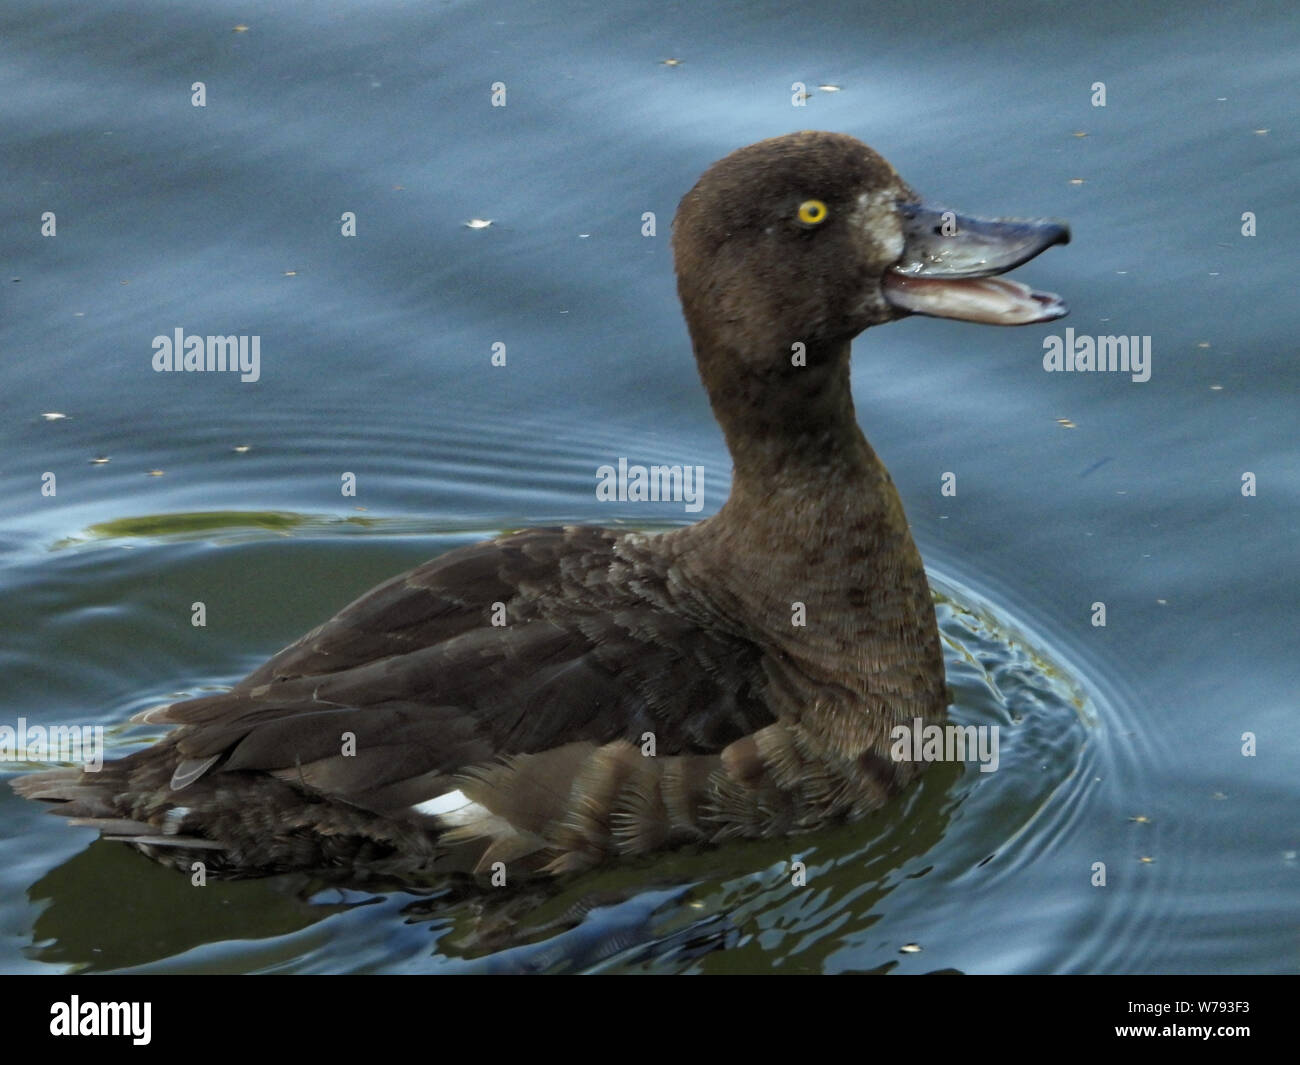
pixel 788 422
pixel 813 516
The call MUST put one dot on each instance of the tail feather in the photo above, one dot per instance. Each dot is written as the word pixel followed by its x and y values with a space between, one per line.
pixel 188 843
pixel 125 830
pixel 45 785
pixel 77 793
pixel 113 826
pixel 241 824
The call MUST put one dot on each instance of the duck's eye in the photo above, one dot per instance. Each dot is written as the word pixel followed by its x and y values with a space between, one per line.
pixel 812 212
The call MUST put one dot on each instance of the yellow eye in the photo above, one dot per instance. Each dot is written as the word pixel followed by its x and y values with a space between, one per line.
pixel 812 212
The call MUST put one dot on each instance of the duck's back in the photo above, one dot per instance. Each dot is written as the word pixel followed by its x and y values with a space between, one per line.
pixel 528 699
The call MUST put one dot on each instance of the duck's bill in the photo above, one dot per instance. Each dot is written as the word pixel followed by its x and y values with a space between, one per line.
pixel 992 300
pixel 950 265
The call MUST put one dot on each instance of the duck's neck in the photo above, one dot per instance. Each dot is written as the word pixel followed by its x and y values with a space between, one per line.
pixel 797 424
pixel 802 467
pixel 813 546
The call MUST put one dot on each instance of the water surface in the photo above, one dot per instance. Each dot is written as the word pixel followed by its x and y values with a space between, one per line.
pixel 1123 744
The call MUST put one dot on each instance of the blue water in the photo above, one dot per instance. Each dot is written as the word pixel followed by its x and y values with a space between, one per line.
pixel 1123 744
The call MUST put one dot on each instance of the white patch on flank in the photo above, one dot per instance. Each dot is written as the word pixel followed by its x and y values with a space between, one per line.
pixel 454 809
pixel 442 804
pixel 173 819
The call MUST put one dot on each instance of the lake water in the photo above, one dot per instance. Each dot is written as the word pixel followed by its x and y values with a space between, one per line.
pixel 1163 744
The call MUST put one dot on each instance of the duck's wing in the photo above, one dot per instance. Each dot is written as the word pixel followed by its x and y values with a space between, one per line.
pixel 557 693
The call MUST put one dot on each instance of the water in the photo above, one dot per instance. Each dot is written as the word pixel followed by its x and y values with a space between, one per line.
pixel 1121 745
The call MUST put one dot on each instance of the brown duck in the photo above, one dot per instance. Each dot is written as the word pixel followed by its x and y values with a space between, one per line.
pixel 644 691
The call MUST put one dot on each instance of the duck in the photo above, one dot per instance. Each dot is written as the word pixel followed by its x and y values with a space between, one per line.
pixel 553 699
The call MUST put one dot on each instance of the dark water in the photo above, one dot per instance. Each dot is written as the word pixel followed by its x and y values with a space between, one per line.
pixel 1121 744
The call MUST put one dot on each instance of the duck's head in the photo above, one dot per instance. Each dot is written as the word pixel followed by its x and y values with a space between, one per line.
pixel 812 237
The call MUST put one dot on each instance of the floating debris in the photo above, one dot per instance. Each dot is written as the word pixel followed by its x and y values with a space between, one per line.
pixel 154 473
pixel 52 415
pixel 910 948
pixel 1141 819
pixel 1065 423
pixel 478 223
pixel 99 460
pixel 670 62
pixel 1076 181
pixel 1078 133
pixel 241 449
pixel 828 88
